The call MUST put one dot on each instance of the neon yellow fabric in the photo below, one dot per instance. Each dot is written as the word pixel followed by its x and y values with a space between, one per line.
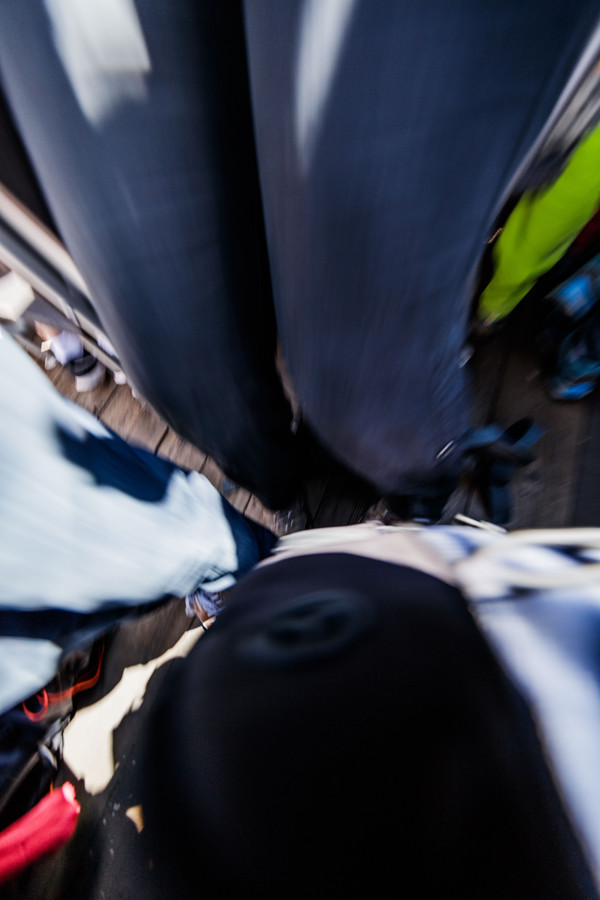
pixel 540 229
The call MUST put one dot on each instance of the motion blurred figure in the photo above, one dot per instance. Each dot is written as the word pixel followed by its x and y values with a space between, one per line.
pixel 384 711
pixel 92 527
pixel 138 125
pixel 386 137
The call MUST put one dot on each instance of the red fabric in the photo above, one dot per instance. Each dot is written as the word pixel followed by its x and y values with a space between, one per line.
pixel 587 236
pixel 40 831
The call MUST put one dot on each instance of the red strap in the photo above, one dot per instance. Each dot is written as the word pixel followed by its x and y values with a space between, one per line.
pixel 46 698
pixel 40 831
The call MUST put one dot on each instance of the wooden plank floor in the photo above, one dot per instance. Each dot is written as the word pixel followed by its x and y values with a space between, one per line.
pixel 559 488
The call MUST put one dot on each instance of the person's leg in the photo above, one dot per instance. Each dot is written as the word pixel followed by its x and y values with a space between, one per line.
pixel 89 522
pixel 540 229
pixel 66 349
pixel 91 527
pixel 139 128
pixel 386 134
pixel 348 711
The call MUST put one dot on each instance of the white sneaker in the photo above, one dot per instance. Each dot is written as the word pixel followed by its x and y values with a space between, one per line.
pixel 89 381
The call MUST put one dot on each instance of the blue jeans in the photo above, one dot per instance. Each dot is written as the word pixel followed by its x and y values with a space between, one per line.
pixel 90 525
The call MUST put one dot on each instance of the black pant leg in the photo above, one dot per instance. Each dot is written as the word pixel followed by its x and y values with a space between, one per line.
pixel 386 133
pixel 147 163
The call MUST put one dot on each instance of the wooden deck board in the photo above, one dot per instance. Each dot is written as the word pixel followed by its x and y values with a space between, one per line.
pixel 149 430
pixel 181 452
pixel 94 402
pixel 121 416
pixel 255 510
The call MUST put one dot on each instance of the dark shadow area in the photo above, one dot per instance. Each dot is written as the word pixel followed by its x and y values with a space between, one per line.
pixel 102 858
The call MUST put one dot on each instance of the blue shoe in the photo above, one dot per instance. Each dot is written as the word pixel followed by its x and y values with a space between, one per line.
pixel 576 374
pixel 576 297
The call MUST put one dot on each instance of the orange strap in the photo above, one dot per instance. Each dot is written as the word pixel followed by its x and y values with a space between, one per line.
pixel 47 698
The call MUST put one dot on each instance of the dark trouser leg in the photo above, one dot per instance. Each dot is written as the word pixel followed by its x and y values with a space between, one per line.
pixel 143 145
pixel 385 137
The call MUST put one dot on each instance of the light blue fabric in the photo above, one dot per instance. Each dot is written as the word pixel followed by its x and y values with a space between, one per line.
pixel 89 523
pixel 536 597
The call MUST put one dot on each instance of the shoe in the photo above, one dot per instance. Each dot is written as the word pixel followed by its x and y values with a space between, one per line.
pixel 289 520
pixel 576 297
pixel 50 362
pixel 575 379
pixel 571 367
pixel 567 339
pixel 204 604
pixel 88 372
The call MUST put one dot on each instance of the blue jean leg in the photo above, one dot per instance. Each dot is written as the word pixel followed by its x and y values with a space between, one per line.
pixel 89 523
